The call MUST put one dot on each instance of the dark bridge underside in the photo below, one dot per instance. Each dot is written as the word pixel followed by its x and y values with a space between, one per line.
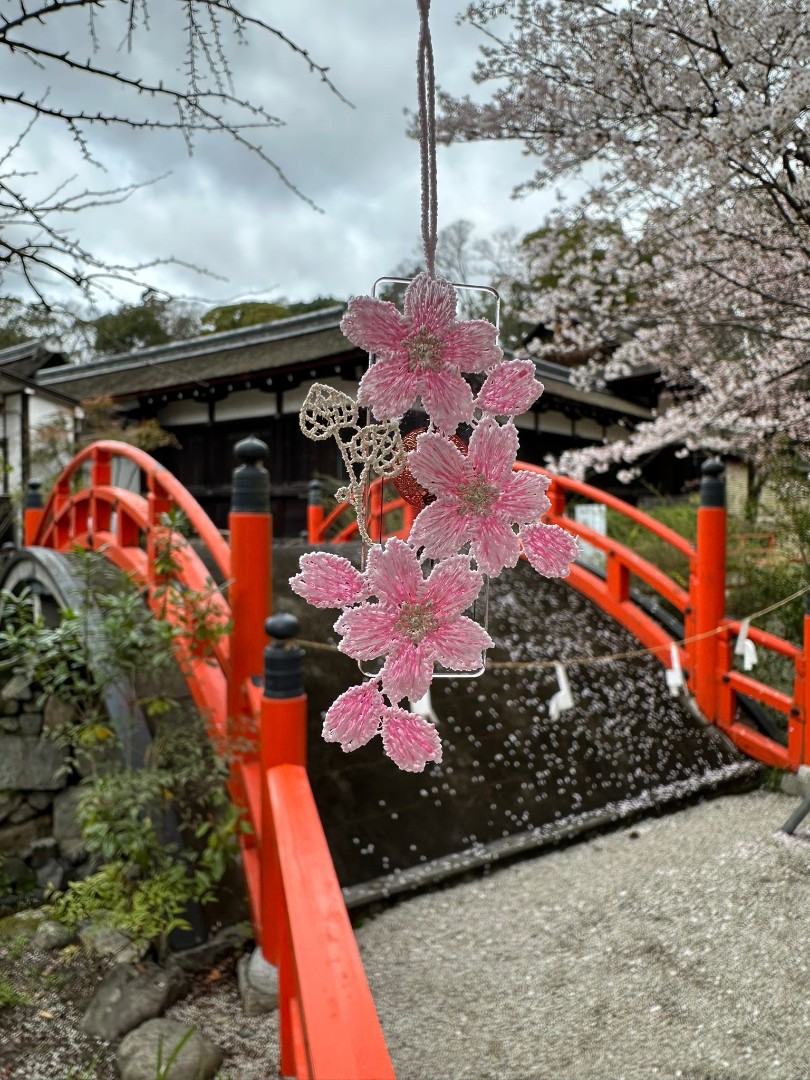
pixel 511 777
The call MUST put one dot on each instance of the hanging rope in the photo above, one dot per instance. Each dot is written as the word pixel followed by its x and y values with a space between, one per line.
pixel 426 96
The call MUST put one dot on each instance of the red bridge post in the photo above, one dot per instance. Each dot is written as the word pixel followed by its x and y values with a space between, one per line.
pixel 282 741
pixel 799 718
pixel 708 591
pixel 33 512
pixel 314 511
pixel 249 592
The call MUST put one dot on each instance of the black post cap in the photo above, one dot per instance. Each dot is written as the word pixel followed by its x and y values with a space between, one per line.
pixel 251 481
pixel 712 484
pixel 33 496
pixel 282 662
pixel 314 493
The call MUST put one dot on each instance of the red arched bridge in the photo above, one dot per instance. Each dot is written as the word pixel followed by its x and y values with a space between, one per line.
pixel 329 1026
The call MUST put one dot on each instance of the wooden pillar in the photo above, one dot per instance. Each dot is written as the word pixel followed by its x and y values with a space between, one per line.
pixel 709 590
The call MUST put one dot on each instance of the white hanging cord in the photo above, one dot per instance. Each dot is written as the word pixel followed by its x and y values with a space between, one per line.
pixel 426 96
pixel 587 661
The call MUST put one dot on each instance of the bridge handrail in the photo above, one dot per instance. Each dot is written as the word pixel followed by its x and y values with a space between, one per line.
pixel 159 482
pixel 296 902
pixel 327 1013
pixel 626 557
pixel 319 529
pixel 593 494
pixel 706 654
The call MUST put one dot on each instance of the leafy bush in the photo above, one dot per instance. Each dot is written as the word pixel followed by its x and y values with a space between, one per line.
pixel 162 828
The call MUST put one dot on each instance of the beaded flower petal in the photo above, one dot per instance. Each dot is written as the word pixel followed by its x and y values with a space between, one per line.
pixel 415 621
pixel 422 352
pixel 478 496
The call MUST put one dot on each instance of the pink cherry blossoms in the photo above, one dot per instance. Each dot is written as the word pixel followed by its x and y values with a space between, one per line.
pixel 421 353
pixel 412 623
pixel 406 609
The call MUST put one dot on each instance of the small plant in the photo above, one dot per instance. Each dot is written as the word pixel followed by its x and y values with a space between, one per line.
pixel 772 779
pixel 9 997
pixel 164 1071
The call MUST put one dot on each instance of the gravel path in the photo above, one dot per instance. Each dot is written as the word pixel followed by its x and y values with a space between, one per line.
pixel 672 948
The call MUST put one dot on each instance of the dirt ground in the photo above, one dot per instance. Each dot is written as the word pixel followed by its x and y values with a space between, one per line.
pixel 669 949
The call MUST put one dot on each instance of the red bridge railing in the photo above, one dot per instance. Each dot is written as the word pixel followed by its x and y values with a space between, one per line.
pixel 705 648
pixel 329 1026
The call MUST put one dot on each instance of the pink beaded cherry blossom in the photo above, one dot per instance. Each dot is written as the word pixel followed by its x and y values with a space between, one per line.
pixel 420 353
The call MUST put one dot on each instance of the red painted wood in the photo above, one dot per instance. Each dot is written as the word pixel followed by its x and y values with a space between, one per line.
pixel 249 594
pixel 251 867
pixel 649 632
pixel 131 537
pixel 766 640
pixel 562 484
pixel 315 522
pixel 708 598
pixel 758 746
pixel 744 684
pixel 341 1029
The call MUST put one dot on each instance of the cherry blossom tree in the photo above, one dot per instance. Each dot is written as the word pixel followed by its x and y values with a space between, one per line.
pixel 679 132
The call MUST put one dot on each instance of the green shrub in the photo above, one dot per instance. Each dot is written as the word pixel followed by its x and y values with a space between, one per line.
pixel 163 829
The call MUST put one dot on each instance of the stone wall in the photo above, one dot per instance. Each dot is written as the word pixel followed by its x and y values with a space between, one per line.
pixel 40 839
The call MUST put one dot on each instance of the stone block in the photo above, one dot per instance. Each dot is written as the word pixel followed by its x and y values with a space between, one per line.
pixel 17 688
pixel 58 715
pixel 9 708
pixel 17 873
pixel 66 825
pixel 52 935
pixel 140 1051
pixel 42 852
pixel 30 764
pixel 30 723
pixel 24 812
pixel 131 994
pixel 217 948
pixel 21 837
pixel 104 941
pixel 257 1000
pixel 52 875
pixel 40 800
pixel 9 724
pixel 9 801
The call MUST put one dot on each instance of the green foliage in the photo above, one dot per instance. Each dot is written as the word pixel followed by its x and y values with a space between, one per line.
pixel 681 517
pixel 256 312
pixel 9 997
pixel 772 779
pixel 108 640
pixel 155 321
pixel 21 322
pixel 54 441
pixel 164 831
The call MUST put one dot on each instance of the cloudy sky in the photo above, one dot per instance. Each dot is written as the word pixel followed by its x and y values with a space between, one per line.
pixel 223 209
